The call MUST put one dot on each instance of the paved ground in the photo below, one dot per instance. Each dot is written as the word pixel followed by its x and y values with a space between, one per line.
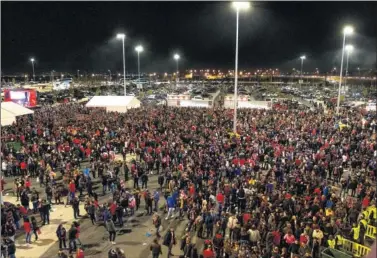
pixel 132 238
pixel 60 214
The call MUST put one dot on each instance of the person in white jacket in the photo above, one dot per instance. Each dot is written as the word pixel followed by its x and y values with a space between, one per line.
pixel 232 222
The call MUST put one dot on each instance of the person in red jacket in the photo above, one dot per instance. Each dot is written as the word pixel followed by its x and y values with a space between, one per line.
pixel 72 190
pixel 27 228
pixel 23 166
pixel 220 197
pixel 208 252
pixel 113 208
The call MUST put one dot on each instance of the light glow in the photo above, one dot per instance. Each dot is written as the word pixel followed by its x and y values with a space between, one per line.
pixel 139 49
pixel 121 36
pixel 303 57
pixel 348 30
pixel 176 57
pixel 241 5
pixel 349 48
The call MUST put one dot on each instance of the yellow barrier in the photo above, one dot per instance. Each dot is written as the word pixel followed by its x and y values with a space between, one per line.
pixel 356 249
pixel 371 231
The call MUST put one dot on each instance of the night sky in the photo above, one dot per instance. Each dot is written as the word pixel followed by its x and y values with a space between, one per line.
pixel 66 36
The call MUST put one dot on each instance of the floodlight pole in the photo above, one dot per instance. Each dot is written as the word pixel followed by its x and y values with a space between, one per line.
pixel 341 73
pixel 124 68
pixel 236 74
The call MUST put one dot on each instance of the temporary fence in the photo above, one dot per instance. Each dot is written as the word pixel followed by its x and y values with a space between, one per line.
pixel 334 253
pixel 356 249
pixel 371 231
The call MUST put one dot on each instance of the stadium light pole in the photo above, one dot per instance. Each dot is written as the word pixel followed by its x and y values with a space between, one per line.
pixel 32 60
pixel 302 65
pixel 122 36
pixel 349 49
pixel 138 49
pixel 177 57
pixel 239 6
pixel 348 30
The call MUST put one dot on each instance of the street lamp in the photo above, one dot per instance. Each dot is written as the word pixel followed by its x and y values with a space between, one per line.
pixel 32 64
pixel 348 30
pixel 239 6
pixel 349 49
pixel 177 57
pixel 78 74
pixel 138 49
pixel 122 36
pixel 302 63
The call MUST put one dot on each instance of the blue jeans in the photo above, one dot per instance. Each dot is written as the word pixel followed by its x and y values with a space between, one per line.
pixel 46 218
pixel 35 206
pixel 17 224
pixel 28 237
pixel 72 245
pixel 12 256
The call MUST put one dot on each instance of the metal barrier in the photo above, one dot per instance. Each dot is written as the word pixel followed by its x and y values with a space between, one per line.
pixel 371 231
pixel 356 249
pixel 334 253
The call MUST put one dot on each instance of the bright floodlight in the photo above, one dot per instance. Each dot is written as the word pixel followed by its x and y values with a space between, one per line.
pixel 32 59
pixel 349 48
pixel 139 49
pixel 121 36
pixel 303 57
pixel 176 56
pixel 348 30
pixel 241 5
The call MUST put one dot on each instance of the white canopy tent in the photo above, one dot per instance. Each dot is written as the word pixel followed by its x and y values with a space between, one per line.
pixel 114 103
pixel 11 110
pixel 7 118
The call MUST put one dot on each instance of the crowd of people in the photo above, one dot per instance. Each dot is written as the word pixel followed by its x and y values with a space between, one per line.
pixel 288 183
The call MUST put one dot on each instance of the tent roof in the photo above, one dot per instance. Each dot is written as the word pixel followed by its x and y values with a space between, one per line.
pixel 7 118
pixel 15 109
pixel 110 101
